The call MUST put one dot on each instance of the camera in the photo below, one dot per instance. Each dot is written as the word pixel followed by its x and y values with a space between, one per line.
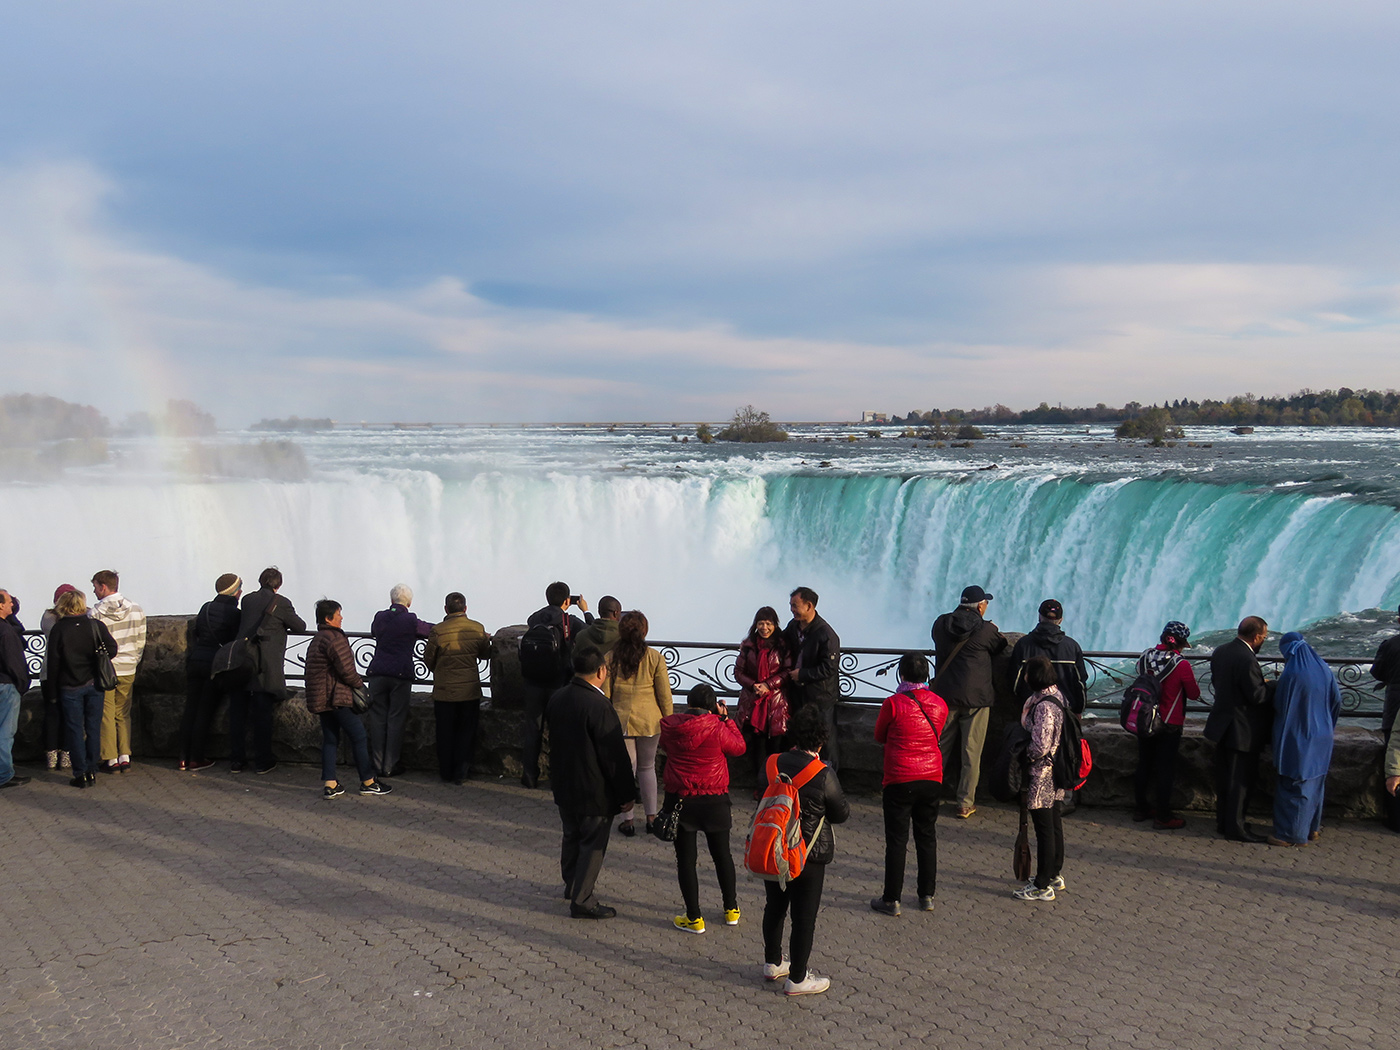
pixel 575 598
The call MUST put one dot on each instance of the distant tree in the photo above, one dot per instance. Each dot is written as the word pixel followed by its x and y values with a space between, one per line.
pixel 704 434
pixel 749 424
pixel 186 419
pixel 30 419
pixel 1154 425
pixel 968 432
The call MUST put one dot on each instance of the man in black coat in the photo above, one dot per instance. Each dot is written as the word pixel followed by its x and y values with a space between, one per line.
pixel 816 678
pixel 556 616
pixel 1386 668
pixel 964 644
pixel 1239 726
pixel 14 683
pixel 268 617
pixel 591 776
pixel 1050 641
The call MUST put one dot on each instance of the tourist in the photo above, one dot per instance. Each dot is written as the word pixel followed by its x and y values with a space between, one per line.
pixel 73 649
pixel 546 657
pixel 823 804
pixel 331 681
pixel 1044 714
pixel 13 618
pixel 214 627
pixel 761 669
pixel 55 733
pixel 396 631
pixel 14 683
pixel 1049 640
pixel 1386 669
pixel 1307 702
pixel 698 743
pixel 601 634
pixel 815 677
pixel 909 725
pixel 964 644
pixel 591 777
pixel 639 685
pixel 1238 726
pixel 1156 768
pixel 127 623
pixel 269 618
pixel 454 648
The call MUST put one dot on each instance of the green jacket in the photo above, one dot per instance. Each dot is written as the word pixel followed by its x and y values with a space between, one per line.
pixel 453 649
pixel 601 634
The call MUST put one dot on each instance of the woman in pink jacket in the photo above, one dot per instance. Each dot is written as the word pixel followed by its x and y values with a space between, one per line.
pixel 698 742
pixel 910 723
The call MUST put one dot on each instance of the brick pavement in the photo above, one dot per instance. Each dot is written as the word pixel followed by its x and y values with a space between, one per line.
pixel 170 910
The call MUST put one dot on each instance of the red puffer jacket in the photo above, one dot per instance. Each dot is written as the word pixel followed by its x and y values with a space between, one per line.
pixel 910 738
pixel 696 745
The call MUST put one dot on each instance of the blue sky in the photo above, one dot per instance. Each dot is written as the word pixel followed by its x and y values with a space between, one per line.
pixel 653 210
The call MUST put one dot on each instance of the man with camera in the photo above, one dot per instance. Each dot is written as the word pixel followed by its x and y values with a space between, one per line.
pixel 546 663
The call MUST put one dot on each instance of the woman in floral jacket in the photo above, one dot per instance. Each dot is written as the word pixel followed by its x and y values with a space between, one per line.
pixel 1044 715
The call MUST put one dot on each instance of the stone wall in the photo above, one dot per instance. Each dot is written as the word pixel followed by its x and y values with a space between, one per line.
pixel 1353 786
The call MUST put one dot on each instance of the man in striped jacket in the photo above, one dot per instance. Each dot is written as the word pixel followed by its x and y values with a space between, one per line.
pixel 127 624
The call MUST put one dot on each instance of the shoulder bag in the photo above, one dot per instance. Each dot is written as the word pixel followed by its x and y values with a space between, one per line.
pixel 105 675
pixel 238 662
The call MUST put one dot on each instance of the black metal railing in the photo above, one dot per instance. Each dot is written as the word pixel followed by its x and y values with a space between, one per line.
pixel 868 675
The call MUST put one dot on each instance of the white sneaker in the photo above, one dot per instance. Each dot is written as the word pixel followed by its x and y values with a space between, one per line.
pixel 1031 893
pixel 811 986
pixel 1058 884
pixel 775 971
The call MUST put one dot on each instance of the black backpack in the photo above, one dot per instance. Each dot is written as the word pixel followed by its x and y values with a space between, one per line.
pixel 542 654
pixel 1140 711
pixel 1069 767
pixel 1072 762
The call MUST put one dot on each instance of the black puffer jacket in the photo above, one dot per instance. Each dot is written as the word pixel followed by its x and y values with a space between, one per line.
pixel 967 681
pixel 816 654
pixel 820 797
pixel 1049 641
pixel 215 626
pixel 1386 668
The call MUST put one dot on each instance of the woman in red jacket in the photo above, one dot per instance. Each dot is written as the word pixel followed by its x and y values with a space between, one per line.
pixel 909 726
pixel 698 742
pixel 761 669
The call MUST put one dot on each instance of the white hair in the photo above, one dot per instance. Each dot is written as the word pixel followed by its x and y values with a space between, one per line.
pixel 401 594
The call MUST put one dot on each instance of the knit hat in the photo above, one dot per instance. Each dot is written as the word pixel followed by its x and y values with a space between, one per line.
pixel 1050 609
pixel 63 588
pixel 229 583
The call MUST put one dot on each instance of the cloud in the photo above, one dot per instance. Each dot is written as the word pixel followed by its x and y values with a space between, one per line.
pixel 90 313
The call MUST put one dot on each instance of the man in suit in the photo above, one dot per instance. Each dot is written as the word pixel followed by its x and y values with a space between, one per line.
pixel 591 776
pixel 1238 726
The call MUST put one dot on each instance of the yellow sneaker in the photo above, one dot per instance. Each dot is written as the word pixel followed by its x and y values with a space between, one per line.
pixel 731 916
pixel 689 925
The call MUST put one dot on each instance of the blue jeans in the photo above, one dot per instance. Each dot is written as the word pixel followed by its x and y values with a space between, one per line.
pixel 9 722
pixel 332 722
pixel 82 722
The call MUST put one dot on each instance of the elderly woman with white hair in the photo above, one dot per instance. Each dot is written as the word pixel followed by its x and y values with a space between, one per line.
pixel 396 632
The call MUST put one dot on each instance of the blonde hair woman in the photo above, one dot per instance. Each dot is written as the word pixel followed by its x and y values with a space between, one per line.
pixel 639 685
pixel 74 642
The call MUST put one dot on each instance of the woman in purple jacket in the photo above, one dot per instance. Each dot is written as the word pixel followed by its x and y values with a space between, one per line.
pixel 391 673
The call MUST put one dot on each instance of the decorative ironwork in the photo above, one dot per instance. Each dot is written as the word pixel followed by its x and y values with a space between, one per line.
pixel 34 646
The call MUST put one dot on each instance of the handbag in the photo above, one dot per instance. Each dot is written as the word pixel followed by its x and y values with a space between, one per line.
pixel 105 676
pixel 1021 858
pixel 359 699
pixel 667 824
pixel 238 662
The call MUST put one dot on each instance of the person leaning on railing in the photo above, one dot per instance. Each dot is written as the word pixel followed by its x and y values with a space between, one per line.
pixel 1386 668
pixel 451 654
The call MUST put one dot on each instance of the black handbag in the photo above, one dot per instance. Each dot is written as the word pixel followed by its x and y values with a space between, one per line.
pixel 667 824
pixel 105 676
pixel 238 662
pixel 359 699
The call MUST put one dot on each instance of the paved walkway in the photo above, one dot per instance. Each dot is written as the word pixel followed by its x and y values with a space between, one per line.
pixel 166 910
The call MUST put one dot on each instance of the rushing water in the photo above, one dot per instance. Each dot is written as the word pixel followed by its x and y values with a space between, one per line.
pixel 1295 525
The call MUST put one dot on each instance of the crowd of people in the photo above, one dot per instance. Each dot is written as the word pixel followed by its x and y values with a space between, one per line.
pixel 602 697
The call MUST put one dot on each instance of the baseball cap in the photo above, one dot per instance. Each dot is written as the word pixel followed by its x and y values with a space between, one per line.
pixel 974 595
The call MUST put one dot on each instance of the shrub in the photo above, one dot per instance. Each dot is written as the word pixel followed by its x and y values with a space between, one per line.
pixel 968 432
pixel 703 433
pixel 749 424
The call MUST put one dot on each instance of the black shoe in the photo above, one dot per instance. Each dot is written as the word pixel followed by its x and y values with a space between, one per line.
pixel 195 767
pixel 91 778
pixel 108 767
pixel 598 911
pixel 15 782
pixel 78 782
pixel 237 767
pixel 1246 836
pixel 266 769
pixel 627 829
pixel 884 907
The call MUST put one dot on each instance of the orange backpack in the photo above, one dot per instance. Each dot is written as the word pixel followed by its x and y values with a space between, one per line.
pixel 775 850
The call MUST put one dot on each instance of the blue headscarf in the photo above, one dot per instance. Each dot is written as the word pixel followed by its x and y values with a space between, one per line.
pixel 1306 706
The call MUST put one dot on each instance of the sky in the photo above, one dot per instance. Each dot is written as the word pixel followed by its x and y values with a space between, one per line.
pixel 531 211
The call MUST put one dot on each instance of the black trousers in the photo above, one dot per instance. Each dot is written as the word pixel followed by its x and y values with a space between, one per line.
pixel 1156 771
pixel 581 854
pixel 802 897
pixel 758 746
pixel 1234 779
pixel 53 726
pixel 456 722
pixel 386 721
pixel 916 801
pixel 831 754
pixel 261 706
pixel 688 852
pixel 532 731
pixel 1049 843
pixel 203 698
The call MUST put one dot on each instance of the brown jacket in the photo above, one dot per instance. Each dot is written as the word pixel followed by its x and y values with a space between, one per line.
pixel 641 701
pixel 330 671
pixel 453 649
